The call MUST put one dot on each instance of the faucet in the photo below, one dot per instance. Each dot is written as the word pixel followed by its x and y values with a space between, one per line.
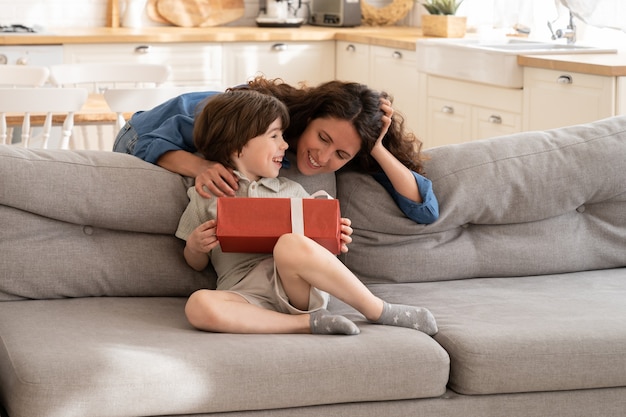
pixel 568 33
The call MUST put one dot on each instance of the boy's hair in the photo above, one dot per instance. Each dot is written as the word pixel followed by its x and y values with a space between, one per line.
pixel 229 120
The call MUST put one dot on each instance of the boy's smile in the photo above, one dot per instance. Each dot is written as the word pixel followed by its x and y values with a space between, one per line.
pixel 262 156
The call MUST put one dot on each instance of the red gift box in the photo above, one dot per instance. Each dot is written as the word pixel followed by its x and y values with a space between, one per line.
pixel 253 225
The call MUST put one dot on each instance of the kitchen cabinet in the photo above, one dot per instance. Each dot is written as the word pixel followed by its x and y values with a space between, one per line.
pixel 382 68
pixel 352 62
pixel 555 98
pixel 455 111
pixel 294 62
pixel 192 64
pixel 395 71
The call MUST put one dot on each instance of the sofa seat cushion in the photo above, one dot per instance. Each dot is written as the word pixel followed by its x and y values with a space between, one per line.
pixel 139 356
pixel 524 334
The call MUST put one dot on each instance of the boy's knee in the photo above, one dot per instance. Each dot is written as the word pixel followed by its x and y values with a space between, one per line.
pixel 198 308
pixel 292 245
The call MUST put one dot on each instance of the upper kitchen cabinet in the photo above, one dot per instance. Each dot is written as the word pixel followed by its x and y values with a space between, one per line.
pixel 192 64
pixel 554 98
pixel 293 62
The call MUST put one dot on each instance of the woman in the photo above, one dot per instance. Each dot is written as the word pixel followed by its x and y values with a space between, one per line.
pixel 333 125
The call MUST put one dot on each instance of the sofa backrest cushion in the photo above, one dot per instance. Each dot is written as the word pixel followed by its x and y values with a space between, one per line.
pixel 525 204
pixel 95 223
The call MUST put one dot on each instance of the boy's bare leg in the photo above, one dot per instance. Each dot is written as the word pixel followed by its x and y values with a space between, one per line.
pixel 227 312
pixel 302 263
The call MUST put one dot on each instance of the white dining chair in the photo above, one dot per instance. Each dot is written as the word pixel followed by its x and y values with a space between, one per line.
pixel 98 77
pixel 51 103
pixel 23 75
pixel 130 100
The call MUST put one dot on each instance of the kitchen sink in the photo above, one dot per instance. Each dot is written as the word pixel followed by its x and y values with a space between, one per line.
pixel 488 61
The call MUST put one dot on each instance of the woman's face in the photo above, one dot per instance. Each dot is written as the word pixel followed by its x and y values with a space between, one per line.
pixel 326 145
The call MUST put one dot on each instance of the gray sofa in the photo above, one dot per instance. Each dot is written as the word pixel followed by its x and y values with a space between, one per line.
pixel 524 271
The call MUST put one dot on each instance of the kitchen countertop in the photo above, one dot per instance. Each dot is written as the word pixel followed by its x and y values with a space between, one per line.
pixel 612 65
pixel 388 36
pixel 392 36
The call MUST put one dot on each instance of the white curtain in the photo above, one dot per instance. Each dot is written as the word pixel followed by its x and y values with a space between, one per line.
pixel 599 13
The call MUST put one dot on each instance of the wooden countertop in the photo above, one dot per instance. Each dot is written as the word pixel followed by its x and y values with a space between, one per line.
pixel 612 65
pixel 401 37
pixel 392 36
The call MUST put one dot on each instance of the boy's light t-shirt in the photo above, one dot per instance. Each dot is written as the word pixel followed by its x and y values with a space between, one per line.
pixel 232 267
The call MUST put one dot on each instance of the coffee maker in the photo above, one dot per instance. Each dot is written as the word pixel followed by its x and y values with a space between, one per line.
pixel 279 13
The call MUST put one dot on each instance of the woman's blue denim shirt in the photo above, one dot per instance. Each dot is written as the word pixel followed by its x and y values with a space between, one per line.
pixel 169 127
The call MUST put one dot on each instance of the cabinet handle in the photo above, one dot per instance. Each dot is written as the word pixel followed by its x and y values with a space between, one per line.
pixel 495 119
pixel 396 55
pixel 142 49
pixel 279 47
pixel 447 109
pixel 350 48
pixel 565 79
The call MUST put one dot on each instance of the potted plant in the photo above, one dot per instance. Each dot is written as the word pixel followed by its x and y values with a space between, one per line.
pixel 441 19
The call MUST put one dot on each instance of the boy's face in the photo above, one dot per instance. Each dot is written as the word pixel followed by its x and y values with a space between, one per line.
pixel 263 155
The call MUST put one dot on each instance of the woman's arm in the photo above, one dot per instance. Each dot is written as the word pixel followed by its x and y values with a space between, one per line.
pixel 211 178
pixel 400 176
pixel 425 212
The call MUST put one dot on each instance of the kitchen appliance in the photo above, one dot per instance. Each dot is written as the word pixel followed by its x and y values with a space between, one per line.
pixel 16 29
pixel 279 13
pixel 345 13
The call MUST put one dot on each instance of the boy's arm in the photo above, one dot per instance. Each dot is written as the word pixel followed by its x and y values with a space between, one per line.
pixel 197 227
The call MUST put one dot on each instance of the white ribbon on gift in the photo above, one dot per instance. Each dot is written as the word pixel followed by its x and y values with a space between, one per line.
pixel 297 211
pixel 297 216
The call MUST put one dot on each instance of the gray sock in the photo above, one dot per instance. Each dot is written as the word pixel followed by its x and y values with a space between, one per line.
pixel 417 318
pixel 323 322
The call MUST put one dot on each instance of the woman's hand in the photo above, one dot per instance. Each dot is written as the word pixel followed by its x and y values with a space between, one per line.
pixel 385 106
pixel 199 243
pixel 212 178
pixel 346 232
pixel 216 180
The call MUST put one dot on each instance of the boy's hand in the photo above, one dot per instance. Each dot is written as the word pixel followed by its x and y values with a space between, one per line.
pixel 203 238
pixel 346 232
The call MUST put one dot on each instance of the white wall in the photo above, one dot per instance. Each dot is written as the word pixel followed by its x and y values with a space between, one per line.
pixel 481 14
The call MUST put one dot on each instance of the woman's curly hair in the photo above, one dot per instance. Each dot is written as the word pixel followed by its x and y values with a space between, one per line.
pixel 350 101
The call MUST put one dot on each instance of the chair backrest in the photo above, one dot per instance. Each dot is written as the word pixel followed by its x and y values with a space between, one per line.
pixel 131 100
pixel 20 104
pixel 98 77
pixel 23 75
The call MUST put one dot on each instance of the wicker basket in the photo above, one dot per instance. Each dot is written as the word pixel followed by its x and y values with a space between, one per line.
pixel 444 26
pixel 387 15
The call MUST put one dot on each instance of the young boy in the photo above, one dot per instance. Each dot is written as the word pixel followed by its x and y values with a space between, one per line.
pixel 283 292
